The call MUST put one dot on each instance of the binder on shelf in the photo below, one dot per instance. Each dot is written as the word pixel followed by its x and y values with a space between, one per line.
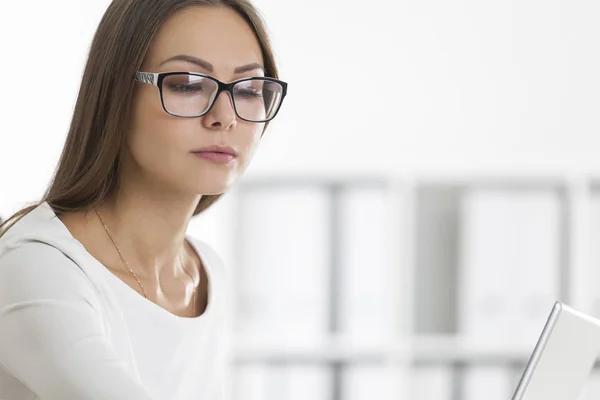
pixel 594 283
pixel 282 271
pixel 365 288
pixel 509 263
pixel 435 272
pixel 509 267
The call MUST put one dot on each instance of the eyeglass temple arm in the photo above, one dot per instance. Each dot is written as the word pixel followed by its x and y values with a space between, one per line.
pixel 147 77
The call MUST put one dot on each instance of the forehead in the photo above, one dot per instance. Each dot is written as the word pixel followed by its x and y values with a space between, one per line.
pixel 218 35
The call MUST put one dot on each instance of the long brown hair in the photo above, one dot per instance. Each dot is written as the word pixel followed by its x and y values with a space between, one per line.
pixel 89 164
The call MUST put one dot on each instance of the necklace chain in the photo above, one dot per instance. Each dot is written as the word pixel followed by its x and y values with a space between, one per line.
pixel 110 236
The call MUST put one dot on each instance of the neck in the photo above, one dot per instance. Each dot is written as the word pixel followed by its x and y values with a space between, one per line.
pixel 149 227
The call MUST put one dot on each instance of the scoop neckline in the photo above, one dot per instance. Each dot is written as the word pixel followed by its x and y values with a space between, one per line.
pixel 128 289
pixel 138 297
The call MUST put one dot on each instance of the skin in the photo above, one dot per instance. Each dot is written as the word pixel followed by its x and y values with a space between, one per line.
pixel 161 181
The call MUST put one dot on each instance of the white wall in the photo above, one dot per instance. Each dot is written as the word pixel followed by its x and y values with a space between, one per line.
pixel 43 46
pixel 435 84
pixel 383 85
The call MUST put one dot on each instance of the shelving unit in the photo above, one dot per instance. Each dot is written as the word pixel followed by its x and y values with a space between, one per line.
pixel 420 221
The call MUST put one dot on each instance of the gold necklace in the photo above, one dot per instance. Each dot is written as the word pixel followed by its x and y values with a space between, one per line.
pixel 110 236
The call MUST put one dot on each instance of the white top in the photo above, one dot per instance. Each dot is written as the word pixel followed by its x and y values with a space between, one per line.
pixel 70 329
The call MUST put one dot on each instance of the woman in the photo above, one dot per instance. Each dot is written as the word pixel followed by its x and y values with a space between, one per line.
pixel 102 294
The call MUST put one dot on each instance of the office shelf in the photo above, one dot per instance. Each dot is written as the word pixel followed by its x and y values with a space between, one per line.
pixel 423 226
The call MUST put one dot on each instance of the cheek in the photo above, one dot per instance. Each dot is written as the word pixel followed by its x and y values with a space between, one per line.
pixel 249 143
pixel 152 139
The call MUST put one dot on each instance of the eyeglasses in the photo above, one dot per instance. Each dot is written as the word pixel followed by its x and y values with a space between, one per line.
pixel 192 95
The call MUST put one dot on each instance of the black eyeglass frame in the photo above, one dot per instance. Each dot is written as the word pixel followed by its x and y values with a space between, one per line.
pixel 156 79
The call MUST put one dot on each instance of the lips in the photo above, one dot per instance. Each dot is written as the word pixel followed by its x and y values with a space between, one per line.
pixel 227 150
pixel 217 154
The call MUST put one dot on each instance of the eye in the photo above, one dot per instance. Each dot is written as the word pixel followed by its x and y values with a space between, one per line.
pixel 183 84
pixel 252 89
pixel 248 93
pixel 185 87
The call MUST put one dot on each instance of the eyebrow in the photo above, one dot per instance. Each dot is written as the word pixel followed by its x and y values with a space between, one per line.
pixel 209 67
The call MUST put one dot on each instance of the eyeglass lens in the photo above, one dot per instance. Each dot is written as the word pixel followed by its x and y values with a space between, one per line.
pixel 191 95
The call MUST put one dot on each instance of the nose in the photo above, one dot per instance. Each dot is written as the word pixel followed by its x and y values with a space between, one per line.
pixel 222 114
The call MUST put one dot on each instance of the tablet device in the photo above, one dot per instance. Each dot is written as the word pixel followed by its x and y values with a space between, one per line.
pixel 563 357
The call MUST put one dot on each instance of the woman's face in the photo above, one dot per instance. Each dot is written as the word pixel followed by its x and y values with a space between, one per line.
pixel 164 147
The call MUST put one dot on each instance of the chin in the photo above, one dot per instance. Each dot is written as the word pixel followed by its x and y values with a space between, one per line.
pixel 206 180
pixel 210 192
pixel 213 186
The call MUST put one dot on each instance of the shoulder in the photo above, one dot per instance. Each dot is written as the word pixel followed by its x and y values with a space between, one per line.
pixel 40 244
pixel 34 255
pixel 206 252
pixel 33 270
pixel 212 261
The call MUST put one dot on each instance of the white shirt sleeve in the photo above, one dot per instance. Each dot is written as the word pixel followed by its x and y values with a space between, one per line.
pixel 52 337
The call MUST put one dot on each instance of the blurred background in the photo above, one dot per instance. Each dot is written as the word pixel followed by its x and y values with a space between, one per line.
pixel 430 188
